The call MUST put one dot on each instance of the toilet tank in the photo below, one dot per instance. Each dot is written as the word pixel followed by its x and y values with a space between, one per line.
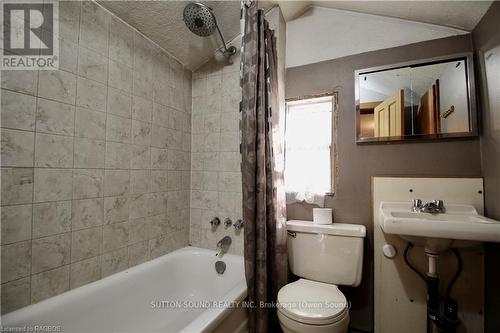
pixel 330 253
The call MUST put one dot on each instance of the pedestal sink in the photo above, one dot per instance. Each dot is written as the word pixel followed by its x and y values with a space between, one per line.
pixel 460 226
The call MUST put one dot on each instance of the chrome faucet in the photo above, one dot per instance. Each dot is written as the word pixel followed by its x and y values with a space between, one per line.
pixel 431 207
pixel 238 224
pixel 223 244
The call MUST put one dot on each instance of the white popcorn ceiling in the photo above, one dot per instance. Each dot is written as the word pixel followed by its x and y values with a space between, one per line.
pixel 162 22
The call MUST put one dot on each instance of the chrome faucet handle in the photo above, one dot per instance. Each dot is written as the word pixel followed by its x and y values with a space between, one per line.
pixel 215 222
pixel 440 205
pixel 417 205
pixel 227 222
pixel 238 224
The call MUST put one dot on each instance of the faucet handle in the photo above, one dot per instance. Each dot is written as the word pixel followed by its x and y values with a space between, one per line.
pixel 238 224
pixel 439 204
pixel 215 222
pixel 227 222
pixel 417 205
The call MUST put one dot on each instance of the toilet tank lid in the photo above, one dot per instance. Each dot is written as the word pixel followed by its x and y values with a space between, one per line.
pixel 337 229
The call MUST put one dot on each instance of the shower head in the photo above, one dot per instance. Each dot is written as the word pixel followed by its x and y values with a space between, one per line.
pixel 200 19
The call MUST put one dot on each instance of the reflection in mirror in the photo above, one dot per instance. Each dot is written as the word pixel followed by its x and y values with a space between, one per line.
pixel 429 100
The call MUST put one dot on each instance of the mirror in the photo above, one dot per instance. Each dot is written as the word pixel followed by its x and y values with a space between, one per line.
pixel 427 99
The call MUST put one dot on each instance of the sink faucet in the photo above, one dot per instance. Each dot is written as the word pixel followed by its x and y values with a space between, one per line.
pixel 432 207
pixel 223 244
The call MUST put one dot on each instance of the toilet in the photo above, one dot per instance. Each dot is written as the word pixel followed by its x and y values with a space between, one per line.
pixel 323 256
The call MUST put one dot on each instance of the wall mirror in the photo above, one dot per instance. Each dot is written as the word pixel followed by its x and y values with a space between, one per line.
pixel 426 99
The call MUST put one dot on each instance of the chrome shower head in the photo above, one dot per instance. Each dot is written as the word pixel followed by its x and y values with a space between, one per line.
pixel 200 19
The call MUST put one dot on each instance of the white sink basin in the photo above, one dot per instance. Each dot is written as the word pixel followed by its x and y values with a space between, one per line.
pixel 460 226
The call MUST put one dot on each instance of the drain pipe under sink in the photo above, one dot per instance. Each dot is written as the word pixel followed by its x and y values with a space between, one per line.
pixel 448 322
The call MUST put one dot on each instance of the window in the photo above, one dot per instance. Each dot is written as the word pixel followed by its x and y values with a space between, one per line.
pixel 309 133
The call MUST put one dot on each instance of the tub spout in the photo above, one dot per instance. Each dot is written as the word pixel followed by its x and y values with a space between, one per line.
pixel 223 244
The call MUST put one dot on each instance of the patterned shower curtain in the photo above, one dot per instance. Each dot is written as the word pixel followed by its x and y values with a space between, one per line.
pixel 266 266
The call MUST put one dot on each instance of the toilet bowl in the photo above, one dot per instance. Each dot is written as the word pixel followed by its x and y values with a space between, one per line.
pixel 310 306
pixel 323 256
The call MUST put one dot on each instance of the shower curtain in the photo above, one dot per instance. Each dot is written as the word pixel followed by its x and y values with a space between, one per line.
pixel 266 266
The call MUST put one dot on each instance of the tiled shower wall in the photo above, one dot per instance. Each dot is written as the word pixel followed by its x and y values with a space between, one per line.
pixel 215 157
pixel 95 159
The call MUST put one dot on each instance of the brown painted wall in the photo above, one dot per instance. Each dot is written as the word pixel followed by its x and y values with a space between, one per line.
pixel 357 163
pixel 487 36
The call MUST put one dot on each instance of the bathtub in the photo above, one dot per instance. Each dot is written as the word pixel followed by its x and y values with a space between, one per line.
pixel 178 292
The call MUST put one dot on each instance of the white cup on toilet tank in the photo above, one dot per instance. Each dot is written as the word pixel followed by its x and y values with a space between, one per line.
pixel 322 215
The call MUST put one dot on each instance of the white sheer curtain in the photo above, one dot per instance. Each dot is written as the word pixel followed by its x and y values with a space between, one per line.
pixel 308 140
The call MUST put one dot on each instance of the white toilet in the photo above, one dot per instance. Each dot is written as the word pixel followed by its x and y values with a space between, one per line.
pixel 324 256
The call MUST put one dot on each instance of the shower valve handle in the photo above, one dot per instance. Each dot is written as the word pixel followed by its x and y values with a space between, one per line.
pixel 215 222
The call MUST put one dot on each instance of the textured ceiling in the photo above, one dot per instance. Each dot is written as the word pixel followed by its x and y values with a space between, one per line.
pixel 162 22
pixel 456 14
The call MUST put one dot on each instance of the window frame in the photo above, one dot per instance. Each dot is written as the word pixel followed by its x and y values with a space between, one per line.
pixel 333 144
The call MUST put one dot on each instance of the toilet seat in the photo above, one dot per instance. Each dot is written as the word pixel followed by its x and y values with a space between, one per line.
pixel 312 302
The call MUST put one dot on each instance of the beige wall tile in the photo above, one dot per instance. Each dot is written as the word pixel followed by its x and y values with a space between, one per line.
pixel 68 53
pixel 142 109
pixel 16 294
pixel 140 181
pixel 86 243
pixel 118 129
pixel 141 133
pixel 53 184
pixel 92 65
pixel 117 155
pixel 17 148
pixel 54 117
pixel 120 76
pixel 57 85
pixel 115 209
pixel 115 236
pixel 16 223
pixel 50 252
pixel 16 260
pixel 89 153
pixel 116 182
pixel 87 213
pixel 53 151
pixel 140 157
pixel 17 185
pixel 88 183
pixel 138 253
pixel 20 81
pixel 90 124
pixel 119 103
pixel 91 94
pixel 51 218
pixel 85 271
pixel 113 262
pixel 49 284
pixel 121 42
pixel 18 110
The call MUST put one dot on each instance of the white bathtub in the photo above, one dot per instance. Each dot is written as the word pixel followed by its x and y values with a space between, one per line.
pixel 131 301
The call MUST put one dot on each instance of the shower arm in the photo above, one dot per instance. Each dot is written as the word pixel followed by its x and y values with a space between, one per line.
pixel 226 50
